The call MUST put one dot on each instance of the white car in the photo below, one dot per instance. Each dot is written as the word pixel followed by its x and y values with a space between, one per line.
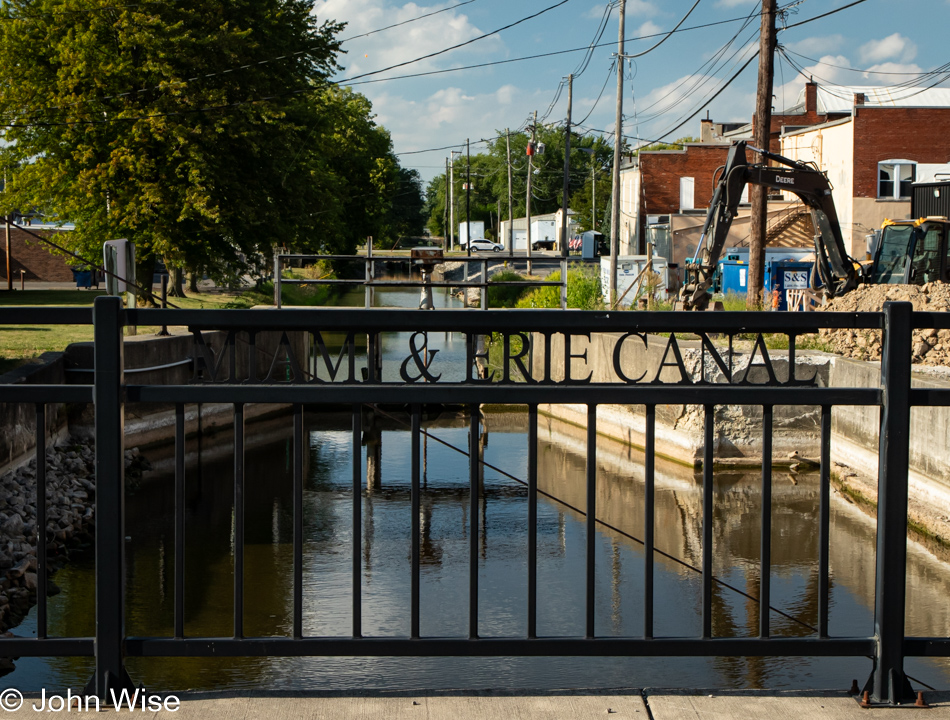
pixel 486 245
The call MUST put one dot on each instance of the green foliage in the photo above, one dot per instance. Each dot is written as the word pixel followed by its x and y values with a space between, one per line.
pixel 198 130
pixel 500 296
pixel 406 215
pixel 583 291
pixel 489 172
pixel 678 144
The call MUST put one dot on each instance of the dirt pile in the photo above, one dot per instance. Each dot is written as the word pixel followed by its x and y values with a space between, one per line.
pixel 930 347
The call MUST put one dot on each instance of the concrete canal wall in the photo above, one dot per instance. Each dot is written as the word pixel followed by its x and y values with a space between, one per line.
pixel 738 433
pixel 149 359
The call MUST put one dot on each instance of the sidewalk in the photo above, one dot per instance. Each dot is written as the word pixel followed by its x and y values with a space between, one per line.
pixel 619 705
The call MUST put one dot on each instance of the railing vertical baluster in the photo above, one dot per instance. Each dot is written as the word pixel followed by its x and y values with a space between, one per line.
pixel 765 543
pixel 708 437
pixel 357 521
pixel 180 520
pixel 532 521
pixel 591 514
pixel 299 449
pixel 649 501
pixel 238 520
pixel 109 404
pixel 415 508
pixel 483 292
pixel 889 684
pixel 824 538
pixel 473 475
pixel 41 569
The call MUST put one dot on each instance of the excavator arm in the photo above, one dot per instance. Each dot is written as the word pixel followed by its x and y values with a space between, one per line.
pixel 835 267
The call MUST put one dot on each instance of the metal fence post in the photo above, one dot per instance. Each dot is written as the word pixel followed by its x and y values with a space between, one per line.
pixel 563 283
pixel 110 673
pixel 484 289
pixel 888 682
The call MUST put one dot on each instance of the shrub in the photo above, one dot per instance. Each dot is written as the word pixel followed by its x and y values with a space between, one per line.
pixel 583 291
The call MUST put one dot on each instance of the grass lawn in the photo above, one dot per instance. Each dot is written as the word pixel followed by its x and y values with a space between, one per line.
pixel 21 343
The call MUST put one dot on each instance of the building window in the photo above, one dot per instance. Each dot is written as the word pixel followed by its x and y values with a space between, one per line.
pixel 687 193
pixel 894 178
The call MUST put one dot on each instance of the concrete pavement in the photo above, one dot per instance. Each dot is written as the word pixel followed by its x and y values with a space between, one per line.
pixel 618 705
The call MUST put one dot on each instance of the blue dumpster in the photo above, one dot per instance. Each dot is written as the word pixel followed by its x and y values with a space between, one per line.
pixel 83 278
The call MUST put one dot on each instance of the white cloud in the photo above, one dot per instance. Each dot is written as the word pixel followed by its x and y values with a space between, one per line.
pixel 648 29
pixel 451 112
pixel 596 12
pixel 732 3
pixel 398 45
pixel 816 46
pixel 641 7
pixel 894 47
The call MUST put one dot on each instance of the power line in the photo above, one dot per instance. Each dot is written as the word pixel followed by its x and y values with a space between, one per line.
pixel 823 15
pixel 346 81
pixel 785 50
pixel 406 22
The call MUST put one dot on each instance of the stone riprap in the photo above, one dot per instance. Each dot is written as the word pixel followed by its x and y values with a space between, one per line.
pixel 931 347
pixel 70 520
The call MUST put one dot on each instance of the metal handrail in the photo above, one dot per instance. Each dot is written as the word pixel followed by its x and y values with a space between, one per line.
pixel 217 381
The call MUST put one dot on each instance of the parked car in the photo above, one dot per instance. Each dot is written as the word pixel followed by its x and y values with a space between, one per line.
pixel 486 245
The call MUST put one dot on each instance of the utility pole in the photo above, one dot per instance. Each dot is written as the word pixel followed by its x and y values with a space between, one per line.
pixel 445 206
pixel 531 146
pixel 618 140
pixel 593 197
pixel 511 229
pixel 762 134
pixel 9 275
pixel 567 166
pixel 468 199
pixel 452 202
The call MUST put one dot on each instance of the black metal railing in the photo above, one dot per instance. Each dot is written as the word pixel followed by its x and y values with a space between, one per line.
pixel 300 385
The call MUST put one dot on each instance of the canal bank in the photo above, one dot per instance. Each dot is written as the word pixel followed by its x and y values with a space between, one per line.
pixel 855 431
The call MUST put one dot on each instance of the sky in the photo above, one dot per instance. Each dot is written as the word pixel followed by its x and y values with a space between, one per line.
pixel 876 42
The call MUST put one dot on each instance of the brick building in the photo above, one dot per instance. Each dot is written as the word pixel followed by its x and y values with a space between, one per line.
pixel 666 193
pixel 34 256
pixel 881 143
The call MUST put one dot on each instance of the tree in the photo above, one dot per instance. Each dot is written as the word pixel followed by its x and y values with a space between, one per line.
pixel 206 132
pixel 406 215
pixel 490 179
pixel 678 144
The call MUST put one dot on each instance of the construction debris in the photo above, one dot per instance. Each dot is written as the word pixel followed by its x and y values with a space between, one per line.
pixel 930 347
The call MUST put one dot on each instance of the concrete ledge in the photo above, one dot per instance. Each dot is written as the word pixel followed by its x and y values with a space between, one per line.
pixel 521 705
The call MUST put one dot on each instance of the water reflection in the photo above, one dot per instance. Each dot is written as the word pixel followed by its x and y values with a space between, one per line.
pixel 502 547
pixel 502 566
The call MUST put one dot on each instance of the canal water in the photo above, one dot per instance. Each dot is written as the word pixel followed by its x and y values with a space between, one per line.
pixel 502 541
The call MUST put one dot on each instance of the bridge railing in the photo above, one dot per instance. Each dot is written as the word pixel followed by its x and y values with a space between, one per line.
pixel 312 378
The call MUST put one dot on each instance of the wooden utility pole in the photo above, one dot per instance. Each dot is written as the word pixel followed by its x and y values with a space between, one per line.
pixel 567 167
pixel 511 229
pixel 531 147
pixel 468 199
pixel 618 141
pixel 445 207
pixel 452 202
pixel 762 135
